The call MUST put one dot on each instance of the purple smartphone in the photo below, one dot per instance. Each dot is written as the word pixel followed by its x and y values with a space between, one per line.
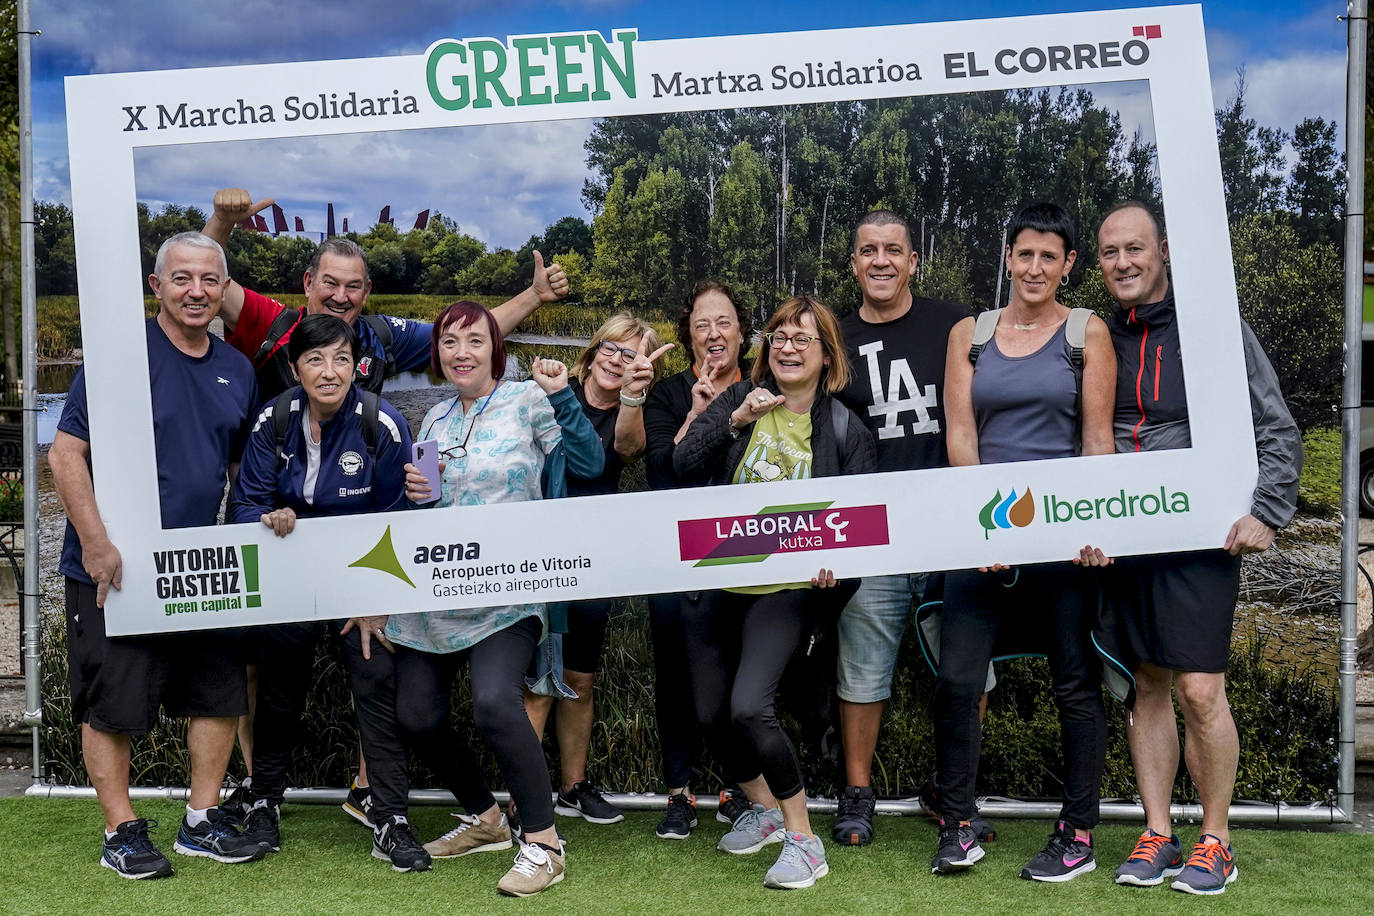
pixel 425 456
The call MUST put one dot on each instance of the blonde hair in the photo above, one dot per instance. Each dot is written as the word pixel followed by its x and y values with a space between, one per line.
pixel 834 377
pixel 620 326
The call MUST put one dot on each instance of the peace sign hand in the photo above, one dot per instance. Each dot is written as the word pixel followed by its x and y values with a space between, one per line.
pixel 705 390
pixel 640 373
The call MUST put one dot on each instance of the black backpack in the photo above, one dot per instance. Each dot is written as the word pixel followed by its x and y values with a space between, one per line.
pixel 281 417
pixel 273 367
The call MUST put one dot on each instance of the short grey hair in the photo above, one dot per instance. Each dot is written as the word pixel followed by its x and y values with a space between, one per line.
pixel 340 247
pixel 192 240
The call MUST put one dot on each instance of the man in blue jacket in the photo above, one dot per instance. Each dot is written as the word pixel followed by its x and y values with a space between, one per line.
pixel 1169 616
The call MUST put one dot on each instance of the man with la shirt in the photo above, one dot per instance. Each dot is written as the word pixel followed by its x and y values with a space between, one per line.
pixel 896 343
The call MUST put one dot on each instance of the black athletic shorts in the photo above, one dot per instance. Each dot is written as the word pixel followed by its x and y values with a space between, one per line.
pixel 586 636
pixel 1175 610
pixel 118 682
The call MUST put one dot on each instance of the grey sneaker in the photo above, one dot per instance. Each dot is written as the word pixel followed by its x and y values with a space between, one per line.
pixel 802 861
pixel 753 830
pixel 1154 858
pixel 471 835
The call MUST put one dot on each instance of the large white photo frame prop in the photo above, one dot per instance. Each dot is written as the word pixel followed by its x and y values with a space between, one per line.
pixel 538 551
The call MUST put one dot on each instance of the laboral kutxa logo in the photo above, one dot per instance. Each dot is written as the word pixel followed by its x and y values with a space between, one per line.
pixel 780 529
pixel 207 579
pixel 1017 510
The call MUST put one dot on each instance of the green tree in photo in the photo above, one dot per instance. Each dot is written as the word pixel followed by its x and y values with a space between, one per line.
pixel 640 243
pixel 1316 191
pixel 741 230
pixel 452 254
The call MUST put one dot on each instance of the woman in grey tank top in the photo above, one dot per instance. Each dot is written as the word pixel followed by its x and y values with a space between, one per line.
pixel 1020 402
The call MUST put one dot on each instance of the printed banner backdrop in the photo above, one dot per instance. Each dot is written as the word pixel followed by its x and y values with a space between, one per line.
pixel 709 537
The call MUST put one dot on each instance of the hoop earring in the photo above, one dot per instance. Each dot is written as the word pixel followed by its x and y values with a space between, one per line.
pixel 1064 280
pixel 1008 273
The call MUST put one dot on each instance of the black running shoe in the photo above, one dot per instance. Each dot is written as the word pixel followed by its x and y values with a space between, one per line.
pixel 958 848
pixel 394 841
pixel 238 801
pixel 517 829
pixel 263 825
pixel 732 805
pixel 926 799
pixel 584 800
pixel 130 853
pixel 679 819
pixel 1064 857
pixel 854 816
pixel 358 805
pixel 217 838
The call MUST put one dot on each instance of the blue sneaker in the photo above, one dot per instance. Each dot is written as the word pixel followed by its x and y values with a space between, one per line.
pixel 1154 858
pixel 1210 868
pixel 753 830
pixel 800 864
pixel 130 853
pixel 217 838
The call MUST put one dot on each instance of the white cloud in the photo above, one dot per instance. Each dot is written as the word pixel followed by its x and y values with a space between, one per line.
pixel 502 183
pixel 1280 92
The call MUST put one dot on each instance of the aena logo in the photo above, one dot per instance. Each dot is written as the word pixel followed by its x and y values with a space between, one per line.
pixel 1012 512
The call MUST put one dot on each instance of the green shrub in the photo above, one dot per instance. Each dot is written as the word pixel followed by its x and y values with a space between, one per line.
pixel 1319 487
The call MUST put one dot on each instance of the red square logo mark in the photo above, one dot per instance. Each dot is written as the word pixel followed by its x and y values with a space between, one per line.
pixel 1146 31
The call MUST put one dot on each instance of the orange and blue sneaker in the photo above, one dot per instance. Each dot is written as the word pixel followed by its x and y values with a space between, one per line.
pixel 1210 868
pixel 1154 858
pixel 1064 857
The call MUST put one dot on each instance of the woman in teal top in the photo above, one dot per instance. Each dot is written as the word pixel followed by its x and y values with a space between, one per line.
pixel 495 437
pixel 782 424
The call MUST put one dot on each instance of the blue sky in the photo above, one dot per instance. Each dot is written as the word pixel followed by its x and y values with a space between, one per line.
pixel 1293 55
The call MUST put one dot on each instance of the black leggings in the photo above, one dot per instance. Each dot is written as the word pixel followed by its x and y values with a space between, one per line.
pixel 674 712
pixel 424 685
pixel 738 647
pixel 285 670
pixel 1049 608
pixel 586 637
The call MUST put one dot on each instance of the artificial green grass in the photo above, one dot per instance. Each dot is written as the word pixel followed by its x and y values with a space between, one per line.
pixel 52 849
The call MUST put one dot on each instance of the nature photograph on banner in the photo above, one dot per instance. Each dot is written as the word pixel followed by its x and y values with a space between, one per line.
pixel 640 167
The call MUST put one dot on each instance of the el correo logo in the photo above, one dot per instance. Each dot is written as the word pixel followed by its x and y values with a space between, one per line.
pixel 531 70
pixel 1052 58
pixel 780 529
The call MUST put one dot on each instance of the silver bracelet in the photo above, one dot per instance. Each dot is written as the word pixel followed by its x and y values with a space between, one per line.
pixel 631 401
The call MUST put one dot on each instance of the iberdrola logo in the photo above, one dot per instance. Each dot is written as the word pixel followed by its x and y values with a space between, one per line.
pixel 1013 511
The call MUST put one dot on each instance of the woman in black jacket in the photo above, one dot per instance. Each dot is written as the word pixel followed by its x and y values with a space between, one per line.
pixel 782 424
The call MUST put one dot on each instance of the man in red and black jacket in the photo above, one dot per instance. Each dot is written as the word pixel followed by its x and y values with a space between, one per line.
pixel 1168 617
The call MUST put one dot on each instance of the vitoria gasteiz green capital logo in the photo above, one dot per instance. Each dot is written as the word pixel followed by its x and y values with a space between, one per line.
pixel 1017 510
pixel 207 579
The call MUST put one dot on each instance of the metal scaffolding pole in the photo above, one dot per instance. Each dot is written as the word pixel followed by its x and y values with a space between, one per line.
pixel 1357 30
pixel 33 699
pixel 1242 812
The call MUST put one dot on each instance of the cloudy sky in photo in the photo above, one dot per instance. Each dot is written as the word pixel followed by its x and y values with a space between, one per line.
pixel 504 183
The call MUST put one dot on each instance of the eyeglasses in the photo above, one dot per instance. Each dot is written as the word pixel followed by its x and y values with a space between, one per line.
pixel 778 341
pixel 611 349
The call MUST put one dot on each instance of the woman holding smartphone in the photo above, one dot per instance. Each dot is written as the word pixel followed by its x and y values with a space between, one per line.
pixel 497 439
pixel 326 448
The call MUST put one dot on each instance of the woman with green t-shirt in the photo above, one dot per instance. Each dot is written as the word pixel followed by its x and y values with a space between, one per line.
pixel 780 424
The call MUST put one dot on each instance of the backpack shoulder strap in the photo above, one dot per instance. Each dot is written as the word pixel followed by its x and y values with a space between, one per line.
pixel 286 320
pixel 839 424
pixel 382 328
pixel 1076 332
pixel 372 406
pixel 281 415
pixel 984 326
